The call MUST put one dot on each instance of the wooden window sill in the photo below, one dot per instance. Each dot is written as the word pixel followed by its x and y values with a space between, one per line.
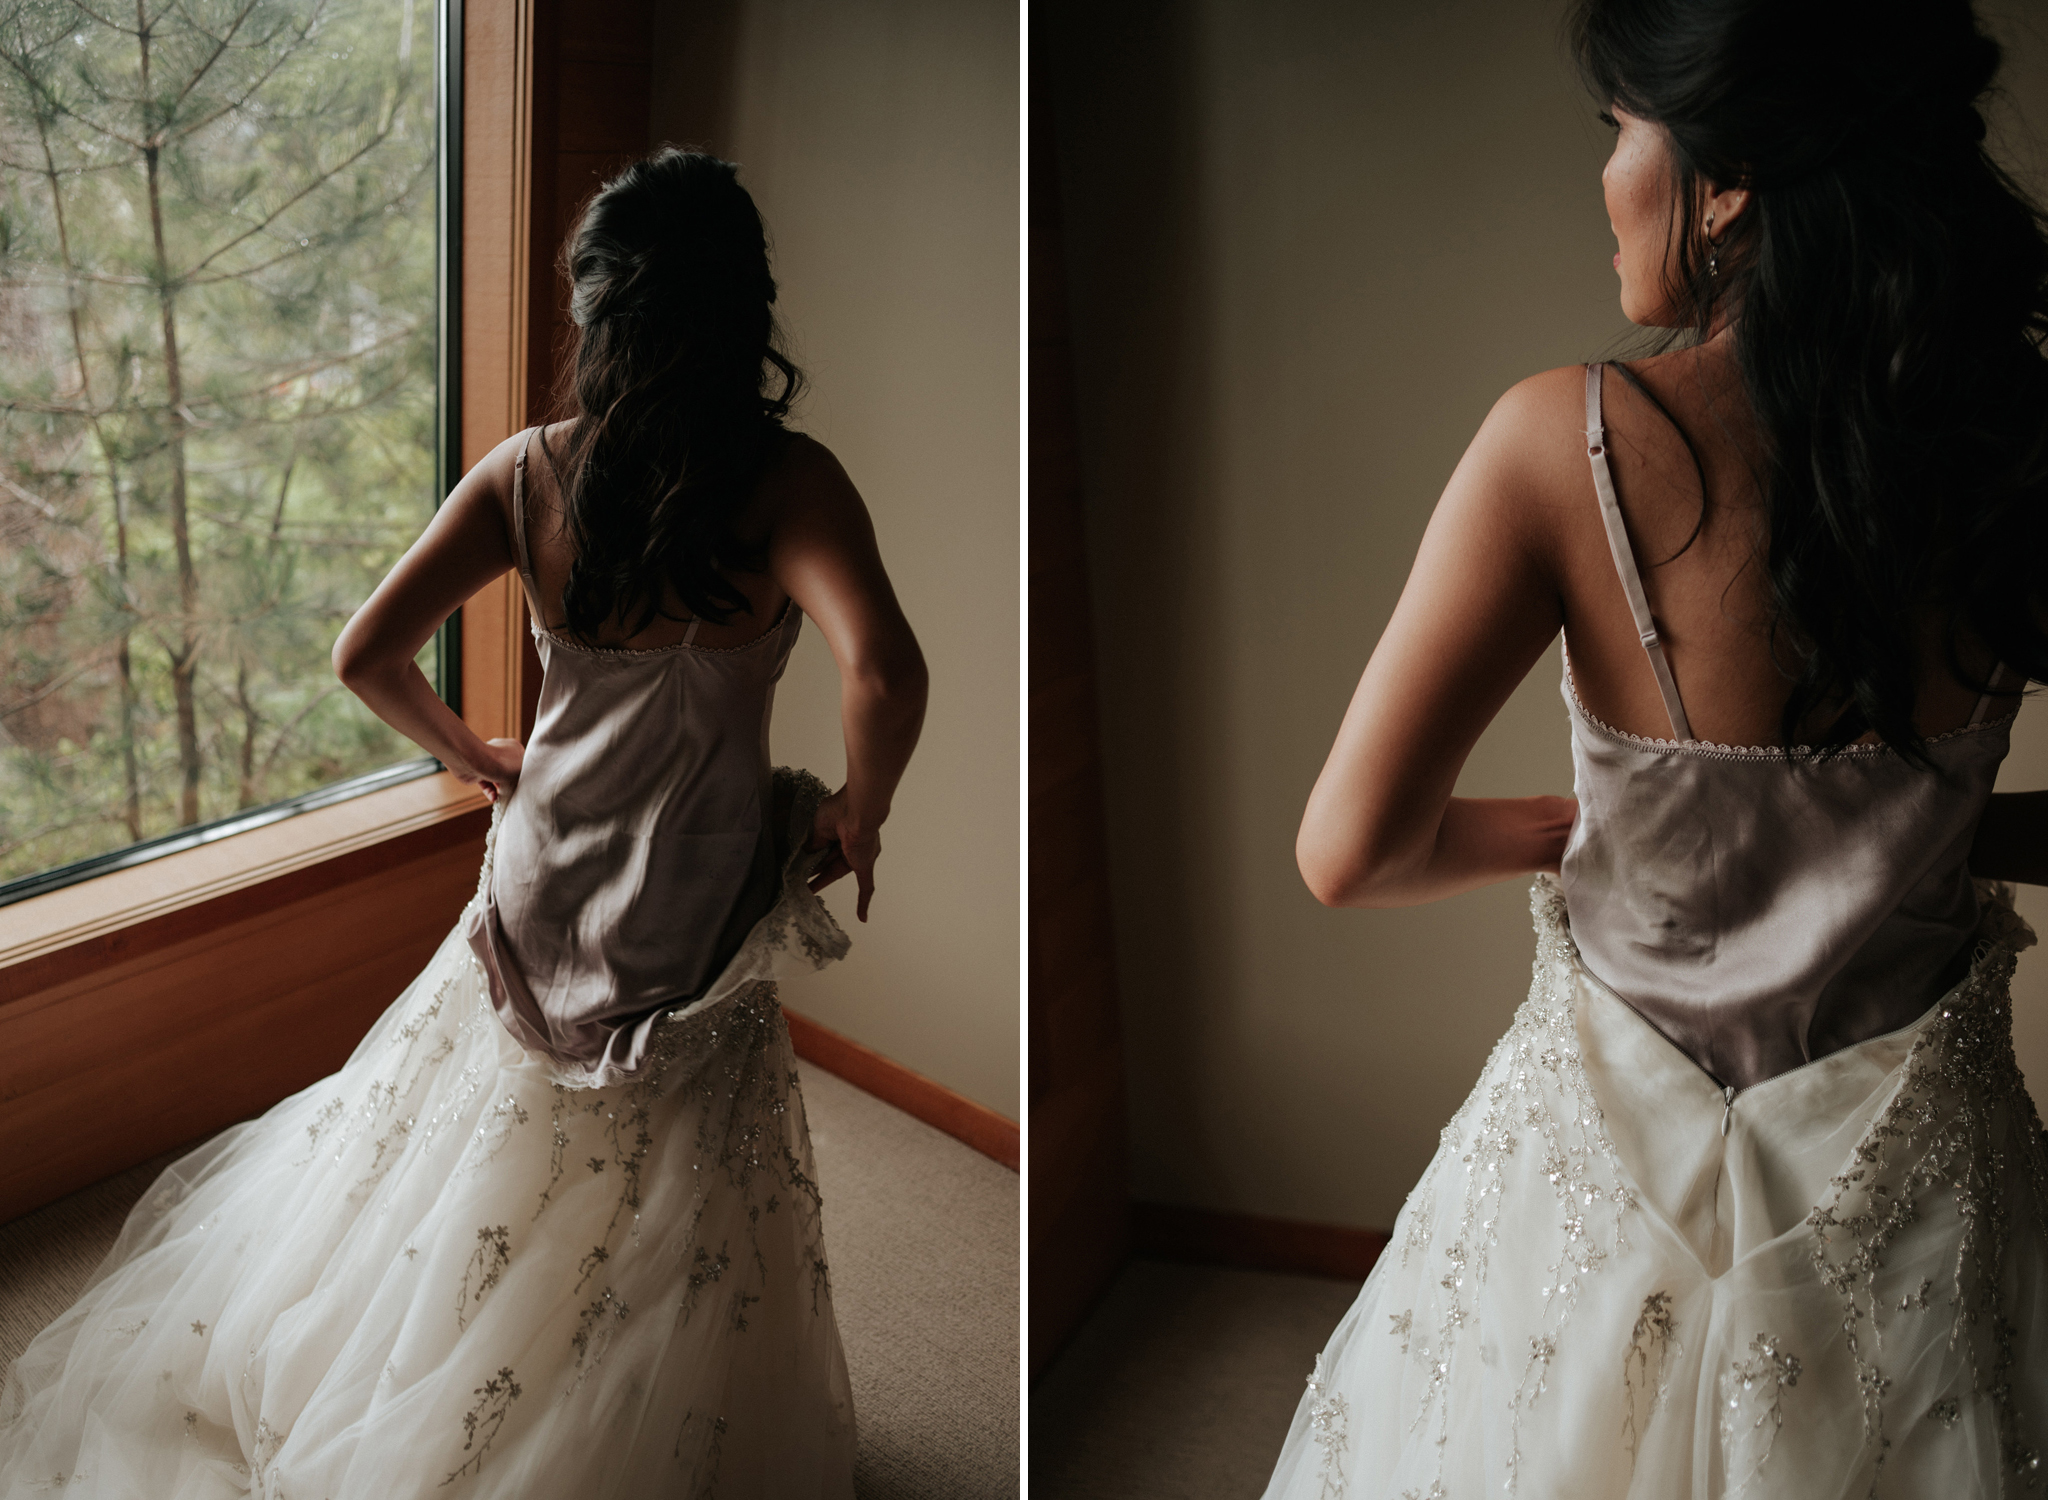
pixel 126 913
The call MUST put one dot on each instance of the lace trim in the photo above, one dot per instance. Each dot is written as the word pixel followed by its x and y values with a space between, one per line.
pixel 1709 750
pixel 621 653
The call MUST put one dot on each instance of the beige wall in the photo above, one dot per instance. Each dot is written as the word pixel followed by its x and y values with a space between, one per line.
pixel 880 140
pixel 1309 244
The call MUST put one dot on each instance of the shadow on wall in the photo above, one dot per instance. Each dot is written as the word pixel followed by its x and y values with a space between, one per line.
pixel 1154 510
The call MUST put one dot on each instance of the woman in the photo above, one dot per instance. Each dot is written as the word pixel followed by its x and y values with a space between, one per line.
pixel 1751 1198
pixel 554 1228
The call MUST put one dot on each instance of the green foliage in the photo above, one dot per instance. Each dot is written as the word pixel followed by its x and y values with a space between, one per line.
pixel 216 399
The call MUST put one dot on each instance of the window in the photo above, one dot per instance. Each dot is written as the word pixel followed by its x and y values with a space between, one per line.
pixel 219 423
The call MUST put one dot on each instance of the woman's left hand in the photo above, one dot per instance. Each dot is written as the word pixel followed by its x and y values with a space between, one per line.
pixel 499 771
pixel 851 849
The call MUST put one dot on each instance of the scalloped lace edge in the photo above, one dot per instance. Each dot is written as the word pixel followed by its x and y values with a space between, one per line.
pixel 577 648
pixel 1713 751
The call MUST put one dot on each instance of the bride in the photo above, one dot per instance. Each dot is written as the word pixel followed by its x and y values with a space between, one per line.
pixel 1751 1199
pixel 554 1230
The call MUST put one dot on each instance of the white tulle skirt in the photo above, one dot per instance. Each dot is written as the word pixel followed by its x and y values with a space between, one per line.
pixel 444 1271
pixel 1611 1283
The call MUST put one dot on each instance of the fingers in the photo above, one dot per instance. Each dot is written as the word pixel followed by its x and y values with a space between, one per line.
pixel 836 867
pixel 852 854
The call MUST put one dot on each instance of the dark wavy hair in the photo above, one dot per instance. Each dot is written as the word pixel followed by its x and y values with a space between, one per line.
pixel 1887 289
pixel 675 338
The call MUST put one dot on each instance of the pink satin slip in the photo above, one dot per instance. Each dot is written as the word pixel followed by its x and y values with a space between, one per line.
pixel 1760 908
pixel 636 850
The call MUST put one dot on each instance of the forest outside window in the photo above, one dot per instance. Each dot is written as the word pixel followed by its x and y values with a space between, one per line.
pixel 218 407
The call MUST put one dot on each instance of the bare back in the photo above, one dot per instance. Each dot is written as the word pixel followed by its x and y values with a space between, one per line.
pixel 1701 566
pixel 552 554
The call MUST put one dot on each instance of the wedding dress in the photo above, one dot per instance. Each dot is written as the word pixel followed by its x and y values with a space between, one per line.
pixel 553 1230
pixel 1771 1225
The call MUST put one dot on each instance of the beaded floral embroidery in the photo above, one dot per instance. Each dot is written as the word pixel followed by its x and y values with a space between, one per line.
pixel 1651 1344
pixel 1957 1134
pixel 1541 1102
pixel 1752 1408
pixel 1328 1424
pixel 1942 1137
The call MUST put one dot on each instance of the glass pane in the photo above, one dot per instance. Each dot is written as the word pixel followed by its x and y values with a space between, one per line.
pixel 217 400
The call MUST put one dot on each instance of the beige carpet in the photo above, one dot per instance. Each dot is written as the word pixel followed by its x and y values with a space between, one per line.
pixel 922 1233
pixel 47 1257
pixel 1181 1384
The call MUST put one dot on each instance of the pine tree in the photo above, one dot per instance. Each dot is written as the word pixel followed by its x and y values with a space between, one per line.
pixel 216 398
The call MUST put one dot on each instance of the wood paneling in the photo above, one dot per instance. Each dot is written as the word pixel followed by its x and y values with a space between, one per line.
pixel 592 95
pixel 604 101
pixel 991 1134
pixel 133 1039
pixel 1079 1216
pixel 693 93
pixel 496 172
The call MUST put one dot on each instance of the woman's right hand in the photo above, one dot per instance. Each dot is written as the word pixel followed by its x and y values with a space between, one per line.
pixel 852 849
pixel 822 552
pixel 498 771
pixel 1550 828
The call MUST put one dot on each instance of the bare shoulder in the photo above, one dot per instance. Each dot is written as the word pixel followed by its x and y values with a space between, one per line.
pixel 494 469
pixel 1524 475
pixel 487 486
pixel 806 466
pixel 1541 413
pixel 804 485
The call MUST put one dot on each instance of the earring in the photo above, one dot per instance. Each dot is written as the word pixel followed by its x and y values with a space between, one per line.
pixel 1713 250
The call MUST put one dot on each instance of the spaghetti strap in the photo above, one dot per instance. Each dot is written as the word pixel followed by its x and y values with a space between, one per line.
pixel 1624 557
pixel 526 578
pixel 1984 701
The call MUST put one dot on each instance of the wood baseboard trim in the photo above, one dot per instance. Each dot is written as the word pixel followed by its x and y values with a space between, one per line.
pixel 993 1135
pixel 1164 1231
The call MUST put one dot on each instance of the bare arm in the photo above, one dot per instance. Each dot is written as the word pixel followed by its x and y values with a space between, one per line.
pixel 823 553
pixel 464 547
pixel 2012 839
pixel 1481 604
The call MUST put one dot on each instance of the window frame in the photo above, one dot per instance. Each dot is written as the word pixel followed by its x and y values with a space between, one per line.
pixel 224 920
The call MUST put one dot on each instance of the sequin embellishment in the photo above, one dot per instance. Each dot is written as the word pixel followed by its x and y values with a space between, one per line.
pixel 1328 1422
pixel 1651 1344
